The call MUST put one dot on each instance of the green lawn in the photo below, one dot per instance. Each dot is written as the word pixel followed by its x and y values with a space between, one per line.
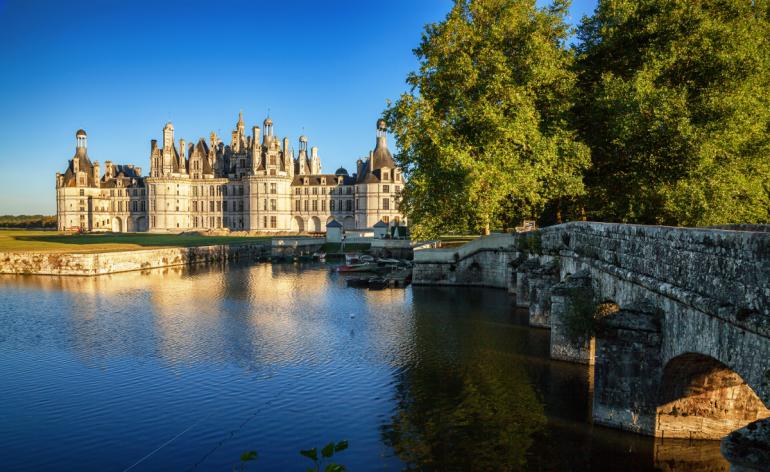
pixel 52 241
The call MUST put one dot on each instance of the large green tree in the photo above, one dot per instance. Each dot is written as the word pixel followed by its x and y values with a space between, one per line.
pixel 484 132
pixel 676 109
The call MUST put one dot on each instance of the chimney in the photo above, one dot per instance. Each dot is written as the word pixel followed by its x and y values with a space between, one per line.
pixel 96 173
pixel 255 134
pixel 285 145
pixel 108 169
pixel 314 151
pixel 359 165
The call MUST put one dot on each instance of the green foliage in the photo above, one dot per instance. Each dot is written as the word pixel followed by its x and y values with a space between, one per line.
pixel 580 319
pixel 27 221
pixel 530 242
pixel 483 133
pixel 327 452
pixel 675 105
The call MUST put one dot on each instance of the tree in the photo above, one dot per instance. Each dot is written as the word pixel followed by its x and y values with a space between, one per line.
pixel 675 105
pixel 484 132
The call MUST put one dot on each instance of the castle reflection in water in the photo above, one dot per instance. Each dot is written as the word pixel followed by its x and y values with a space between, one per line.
pixel 400 373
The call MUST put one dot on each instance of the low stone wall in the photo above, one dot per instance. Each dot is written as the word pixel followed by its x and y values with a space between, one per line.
pixel 123 261
pixel 483 262
pixel 295 246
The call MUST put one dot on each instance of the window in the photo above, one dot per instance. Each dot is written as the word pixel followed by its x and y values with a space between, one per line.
pixel 386 204
pixel 264 222
pixel 272 205
pixel 219 206
pixel 240 205
pixel 120 205
pixel 315 190
pixel 143 206
pixel 398 188
pixel 195 222
pixel 349 205
pixel 306 191
pixel 323 205
pixel 195 192
pixel 224 191
pixel 297 190
pixel 211 191
pixel 264 206
pixel 315 205
pixel 211 208
pixel 384 176
pixel 296 205
pixel 82 193
pixel 386 188
pixel 133 205
pixel 264 187
pixel 272 187
pixel 219 222
pixel 273 222
pixel 305 205
pixel 331 205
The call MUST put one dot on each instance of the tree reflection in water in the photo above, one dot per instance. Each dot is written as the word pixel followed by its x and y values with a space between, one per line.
pixel 460 407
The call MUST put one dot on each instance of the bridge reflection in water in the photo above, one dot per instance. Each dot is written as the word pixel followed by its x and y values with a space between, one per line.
pixel 432 378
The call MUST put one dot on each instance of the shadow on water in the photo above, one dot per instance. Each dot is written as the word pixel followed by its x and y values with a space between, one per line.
pixel 482 394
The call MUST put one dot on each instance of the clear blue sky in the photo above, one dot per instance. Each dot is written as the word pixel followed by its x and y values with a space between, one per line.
pixel 121 68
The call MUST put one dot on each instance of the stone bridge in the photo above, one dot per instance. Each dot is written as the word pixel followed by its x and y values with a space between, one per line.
pixel 676 320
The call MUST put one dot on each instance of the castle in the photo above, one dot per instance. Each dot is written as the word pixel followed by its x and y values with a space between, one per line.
pixel 253 184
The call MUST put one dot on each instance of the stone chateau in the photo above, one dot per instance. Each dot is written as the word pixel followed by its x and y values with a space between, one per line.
pixel 256 183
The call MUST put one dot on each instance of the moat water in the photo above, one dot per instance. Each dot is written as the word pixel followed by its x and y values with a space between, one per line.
pixel 185 369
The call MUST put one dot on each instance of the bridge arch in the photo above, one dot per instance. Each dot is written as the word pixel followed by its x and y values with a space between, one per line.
pixel 702 398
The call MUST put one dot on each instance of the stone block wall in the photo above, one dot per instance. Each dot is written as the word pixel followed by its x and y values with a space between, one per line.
pixel 123 261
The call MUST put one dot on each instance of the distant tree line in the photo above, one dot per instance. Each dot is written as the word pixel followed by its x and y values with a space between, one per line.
pixel 658 112
pixel 27 221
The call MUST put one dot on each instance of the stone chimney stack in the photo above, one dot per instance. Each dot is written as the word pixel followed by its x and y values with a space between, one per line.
pixel 359 166
pixel 108 169
pixel 96 173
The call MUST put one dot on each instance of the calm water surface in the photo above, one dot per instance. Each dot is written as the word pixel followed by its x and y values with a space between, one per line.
pixel 185 369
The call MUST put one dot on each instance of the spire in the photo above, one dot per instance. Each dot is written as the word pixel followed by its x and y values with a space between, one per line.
pixel 240 119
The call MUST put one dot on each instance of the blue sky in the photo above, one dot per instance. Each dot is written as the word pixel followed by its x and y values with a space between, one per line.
pixel 121 69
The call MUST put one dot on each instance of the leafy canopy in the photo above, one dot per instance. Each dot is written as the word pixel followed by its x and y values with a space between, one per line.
pixel 484 133
pixel 675 105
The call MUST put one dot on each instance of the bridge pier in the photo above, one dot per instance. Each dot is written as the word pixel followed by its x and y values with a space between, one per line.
pixel 628 371
pixel 748 449
pixel 568 298
pixel 541 280
pixel 523 272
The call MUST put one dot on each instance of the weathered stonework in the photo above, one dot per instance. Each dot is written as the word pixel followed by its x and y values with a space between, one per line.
pixel 748 449
pixel 124 261
pixel 707 293
pixel 541 280
pixel 563 305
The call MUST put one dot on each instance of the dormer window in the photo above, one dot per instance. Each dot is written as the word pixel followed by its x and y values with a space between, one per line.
pixel 385 175
pixel 306 181
pixel 323 180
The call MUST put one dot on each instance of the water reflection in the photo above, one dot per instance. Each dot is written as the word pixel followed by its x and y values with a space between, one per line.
pixel 101 370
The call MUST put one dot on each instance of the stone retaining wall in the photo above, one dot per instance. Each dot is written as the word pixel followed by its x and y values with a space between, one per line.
pixel 123 261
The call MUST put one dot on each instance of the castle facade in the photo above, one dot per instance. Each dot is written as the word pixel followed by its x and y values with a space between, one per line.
pixel 255 183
